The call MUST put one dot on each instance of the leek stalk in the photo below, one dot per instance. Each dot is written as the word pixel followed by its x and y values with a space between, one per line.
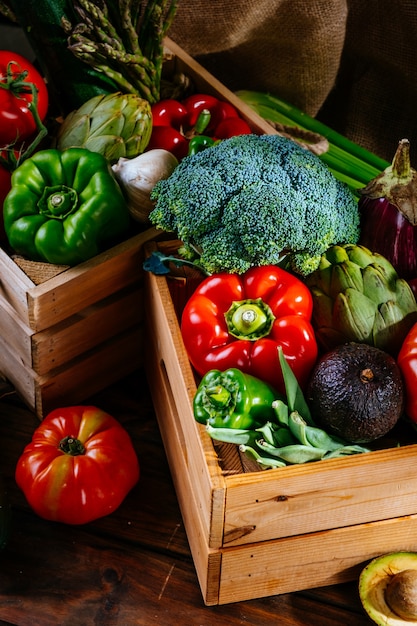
pixel 349 162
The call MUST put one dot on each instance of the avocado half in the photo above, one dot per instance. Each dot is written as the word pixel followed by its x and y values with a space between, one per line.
pixel 374 581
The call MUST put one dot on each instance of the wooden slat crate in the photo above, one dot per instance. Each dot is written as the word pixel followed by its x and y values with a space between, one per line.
pixel 259 533
pixel 75 333
pixel 81 329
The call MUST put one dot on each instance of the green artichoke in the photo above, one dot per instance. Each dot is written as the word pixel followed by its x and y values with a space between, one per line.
pixel 358 296
pixel 115 125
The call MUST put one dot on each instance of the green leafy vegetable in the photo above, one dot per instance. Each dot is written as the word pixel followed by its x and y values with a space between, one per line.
pixel 255 200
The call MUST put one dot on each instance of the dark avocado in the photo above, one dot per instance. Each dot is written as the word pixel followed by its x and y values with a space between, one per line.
pixel 356 392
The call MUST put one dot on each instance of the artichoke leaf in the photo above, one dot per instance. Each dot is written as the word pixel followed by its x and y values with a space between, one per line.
pixel 346 275
pixel 102 124
pixel 404 295
pixel 375 285
pixel 323 308
pixel 354 316
pixel 360 255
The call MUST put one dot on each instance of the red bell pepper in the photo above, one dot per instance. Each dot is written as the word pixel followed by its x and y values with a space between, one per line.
pixel 407 362
pixel 176 123
pixel 79 466
pixel 238 321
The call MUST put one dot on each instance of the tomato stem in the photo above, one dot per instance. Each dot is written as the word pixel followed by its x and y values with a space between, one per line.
pixel 71 445
pixel 17 84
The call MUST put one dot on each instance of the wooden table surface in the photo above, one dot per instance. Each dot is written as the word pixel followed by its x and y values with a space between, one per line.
pixel 133 567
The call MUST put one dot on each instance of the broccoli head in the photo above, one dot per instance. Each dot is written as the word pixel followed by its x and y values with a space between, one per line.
pixel 255 200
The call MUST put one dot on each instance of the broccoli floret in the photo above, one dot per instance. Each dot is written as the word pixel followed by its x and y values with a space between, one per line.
pixel 255 200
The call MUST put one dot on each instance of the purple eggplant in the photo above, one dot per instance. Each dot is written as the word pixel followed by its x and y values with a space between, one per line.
pixel 388 209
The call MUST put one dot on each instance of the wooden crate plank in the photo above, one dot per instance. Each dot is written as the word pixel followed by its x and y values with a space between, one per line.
pixel 14 286
pixel 199 509
pixel 91 373
pixel 87 283
pixel 79 333
pixel 17 373
pixel 15 333
pixel 169 362
pixel 311 560
pixel 316 496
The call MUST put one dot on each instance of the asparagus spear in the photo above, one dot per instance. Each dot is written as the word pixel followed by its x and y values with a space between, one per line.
pixel 124 40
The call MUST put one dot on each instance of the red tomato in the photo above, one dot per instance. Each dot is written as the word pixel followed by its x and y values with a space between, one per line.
pixel 232 126
pixel 79 466
pixel 17 76
pixel 170 139
pixel 169 113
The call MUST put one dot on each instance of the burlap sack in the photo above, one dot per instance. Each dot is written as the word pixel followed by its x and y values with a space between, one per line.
pixel 351 62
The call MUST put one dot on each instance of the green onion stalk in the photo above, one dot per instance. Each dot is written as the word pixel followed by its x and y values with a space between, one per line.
pixel 348 161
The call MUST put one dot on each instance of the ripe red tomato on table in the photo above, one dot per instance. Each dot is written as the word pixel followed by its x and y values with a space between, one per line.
pixel 79 466
pixel 18 77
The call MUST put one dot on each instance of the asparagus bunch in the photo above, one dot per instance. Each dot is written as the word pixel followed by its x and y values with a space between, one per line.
pixel 124 40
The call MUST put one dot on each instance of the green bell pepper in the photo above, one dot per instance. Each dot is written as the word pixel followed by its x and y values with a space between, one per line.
pixel 64 207
pixel 233 399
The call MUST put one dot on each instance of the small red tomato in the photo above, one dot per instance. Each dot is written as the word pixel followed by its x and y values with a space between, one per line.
pixel 168 113
pixel 231 127
pixel 170 139
pixel 18 76
pixel 196 103
pixel 222 111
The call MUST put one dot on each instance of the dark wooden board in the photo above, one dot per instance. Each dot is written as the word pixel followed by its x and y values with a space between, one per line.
pixel 134 567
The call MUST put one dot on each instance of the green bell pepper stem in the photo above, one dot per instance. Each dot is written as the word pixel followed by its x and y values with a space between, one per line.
pixel 203 121
pixel 233 399
pixel 249 319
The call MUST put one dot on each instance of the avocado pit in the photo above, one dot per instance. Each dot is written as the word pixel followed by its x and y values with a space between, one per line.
pixel 401 594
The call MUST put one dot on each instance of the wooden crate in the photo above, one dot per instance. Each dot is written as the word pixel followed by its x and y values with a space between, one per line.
pixel 82 328
pixel 75 333
pixel 259 533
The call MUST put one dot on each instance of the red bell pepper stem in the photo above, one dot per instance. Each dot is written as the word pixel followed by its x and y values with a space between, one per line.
pixel 249 319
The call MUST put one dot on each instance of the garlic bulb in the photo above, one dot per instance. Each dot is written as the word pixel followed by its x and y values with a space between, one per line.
pixel 138 176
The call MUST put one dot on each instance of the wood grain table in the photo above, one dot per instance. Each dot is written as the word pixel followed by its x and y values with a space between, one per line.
pixel 134 567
